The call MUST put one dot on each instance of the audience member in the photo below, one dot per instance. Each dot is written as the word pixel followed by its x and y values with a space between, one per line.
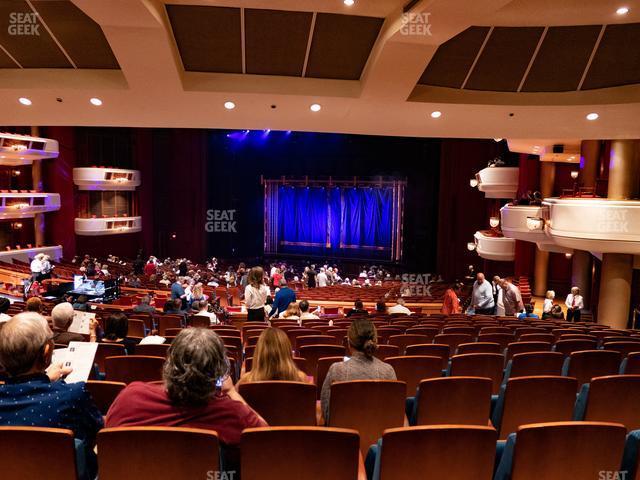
pixel 255 295
pixel 292 312
pixel 116 329
pixel 284 297
pixel 4 308
pixel 528 313
pixel 399 307
pixel 511 298
pixel 482 299
pixel 62 318
pixel 34 304
pixel 575 304
pixel 144 306
pixel 81 303
pixel 202 310
pixel 381 307
pixel 548 304
pixel 451 300
pixel 557 313
pixel 272 359
pixel 304 311
pixel 358 309
pixel 363 343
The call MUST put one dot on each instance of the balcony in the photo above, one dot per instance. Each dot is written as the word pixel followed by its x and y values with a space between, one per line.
pixel 491 246
pixel 27 204
pixel 514 224
pixel 107 225
pixel 594 224
pixel 498 182
pixel 26 254
pixel 24 149
pixel 107 179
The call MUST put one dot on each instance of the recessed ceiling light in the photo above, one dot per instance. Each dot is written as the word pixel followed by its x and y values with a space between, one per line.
pixel 592 116
pixel 622 10
pixel 497 139
pixel 315 107
pixel 95 101
pixel 229 105
pixel 25 101
pixel 436 114
pixel 349 3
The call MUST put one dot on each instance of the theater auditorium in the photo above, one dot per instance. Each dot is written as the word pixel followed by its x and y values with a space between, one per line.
pixel 319 239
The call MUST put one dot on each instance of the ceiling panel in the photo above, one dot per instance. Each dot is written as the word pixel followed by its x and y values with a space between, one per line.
pixel 208 38
pixel 276 41
pixel 505 58
pixel 79 35
pixel 562 58
pixel 617 60
pixel 453 59
pixel 32 47
pixel 341 45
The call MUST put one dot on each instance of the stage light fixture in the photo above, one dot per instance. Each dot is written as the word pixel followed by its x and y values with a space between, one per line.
pixel 535 223
pixel 349 3
pixel 473 182
pixel 436 114
pixel 25 101
pixel 622 10
pixel 471 246
pixel 494 222
pixel 229 105
pixel 315 107
pixel 95 101
pixel 592 116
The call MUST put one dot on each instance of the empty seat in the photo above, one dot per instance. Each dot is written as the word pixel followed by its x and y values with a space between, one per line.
pixel 613 398
pixel 526 347
pixel 411 369
pixel 176 453
pixel 429 332
pixel 383 408
pixel 452 339
pixel 534 363
pixel 460 329
pixel 562 450
pixel 402 341
pixel 385 332
pixel 385 351
pixel 567 347
pixel 282 403
pixel 311 353
pixel 486 365
pixel 623 347
pixel 436 452
pixel 28 453
pixel 495 329
pixel 453 400
pixel 503 339
pixel 527 400
pixel 166 322
pixel 587 364
pixel 104 393
pixel 107 350
pixel 151 350
pixel 478 347
pixel 135 328
pixel 303 340
pixel 537 337
pixel 134 368
pixel 303 453
pixel 431 350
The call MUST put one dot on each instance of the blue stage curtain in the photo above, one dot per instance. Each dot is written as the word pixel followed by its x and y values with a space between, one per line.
pixel 302 215
pixel 366 217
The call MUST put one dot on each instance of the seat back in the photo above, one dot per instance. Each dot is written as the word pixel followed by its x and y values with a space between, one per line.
pixel 322 369
pixel 199 321
pixel 135 328
pixel 313 352
pixel 168 321
pixel 153 350
pixel 402 341
pixel 452 339
pixel 454 400
pixel 486 365
pixel 368 406
pixel 632 364
pixel 445 451
pixel 585 365
pixel 282 403
pixel 104 393
pixel 134 368
pixel 479 347
pixel 526 347
pixel 536 363
pixel 504 339
pixel 180 453
pixel 614 399
pixel 561 450
pixel 536 400
pixel 411 369
pixel 107 350
pixel 431 350
pixel 385 351
pixel 623 347
pixel 303 453
pixel 303 340
pixel 537 337
pixel 27 453
pixel 567 347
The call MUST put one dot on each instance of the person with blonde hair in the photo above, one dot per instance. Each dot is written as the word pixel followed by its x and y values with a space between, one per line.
pixel 548 304
pixel 255 295
pixel 292 312
pixel 272 359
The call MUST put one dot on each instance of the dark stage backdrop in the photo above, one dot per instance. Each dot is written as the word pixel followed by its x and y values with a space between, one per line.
pixel 236 161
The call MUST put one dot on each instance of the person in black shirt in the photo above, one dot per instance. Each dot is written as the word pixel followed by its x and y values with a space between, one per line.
pixel 311 277
pixel 358 309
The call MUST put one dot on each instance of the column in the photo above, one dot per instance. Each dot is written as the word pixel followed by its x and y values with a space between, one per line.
pixel 36 175
pixel 581 260
pixel 541 268
pixel 617 268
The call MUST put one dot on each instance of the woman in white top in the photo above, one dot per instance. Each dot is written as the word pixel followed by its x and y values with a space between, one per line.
pixel 575 304
pixel 255 295
pixel 548 304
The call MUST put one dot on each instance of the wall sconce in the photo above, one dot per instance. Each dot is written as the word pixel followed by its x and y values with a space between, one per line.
pixel 574 174
pixel 535 223
pixel 471 246
pixel 473 182
pixel 16 225
pixel 568 255
pixel 494 222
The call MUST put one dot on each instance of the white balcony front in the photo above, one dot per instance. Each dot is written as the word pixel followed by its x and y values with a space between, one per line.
pixel 26 254
pixel 595 224
pixel 107 225
pixel 24 149
pixel 26 205
pixel 106 179
pixel 515 221
pixel 498 182
pixel 494 247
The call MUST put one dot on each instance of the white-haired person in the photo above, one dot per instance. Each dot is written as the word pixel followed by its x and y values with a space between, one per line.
pixel 34 393
pixel 575 304
pixel 548 304
pixel 62 318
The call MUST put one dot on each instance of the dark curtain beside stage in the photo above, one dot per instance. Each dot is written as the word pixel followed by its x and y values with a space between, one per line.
pixel 337 221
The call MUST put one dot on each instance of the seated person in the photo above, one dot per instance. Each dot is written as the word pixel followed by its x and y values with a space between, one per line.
pixel 174 307
pixel 399 307
pixel 144 306
pixel 363 342
pixel 272 359
pixel 381 307
pixel 557 313
pixel 4 308
pixel 292 312
pixel 62 317
pixel 197 393
pixel 81 303
pixel 304 311
pixel 116 329
pixel 528 313
pixel 34 394
pixel 34 304
pixel 202 310
pixel 358 309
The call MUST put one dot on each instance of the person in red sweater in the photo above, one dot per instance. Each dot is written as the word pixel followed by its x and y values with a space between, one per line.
pixel 451 300
pixel 197 392
pixel 150 268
